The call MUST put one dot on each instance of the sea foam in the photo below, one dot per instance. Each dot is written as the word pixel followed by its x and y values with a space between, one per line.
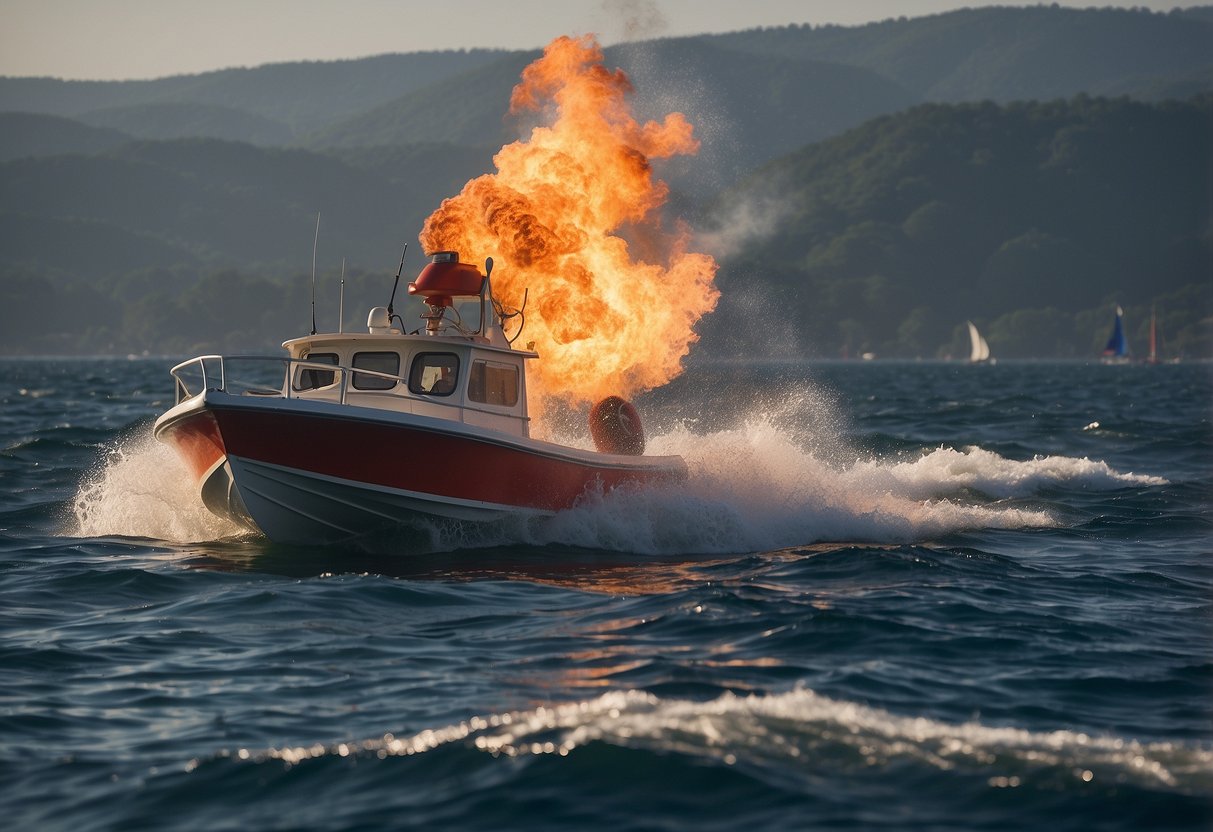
pixel 791 732
pixel 758 486
pixel 142 489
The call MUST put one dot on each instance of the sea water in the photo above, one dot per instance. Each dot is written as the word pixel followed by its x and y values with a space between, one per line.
pixel 889 595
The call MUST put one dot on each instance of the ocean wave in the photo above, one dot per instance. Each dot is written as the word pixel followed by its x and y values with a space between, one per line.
pixel 752 488
pixel 988 473
pixel 795 731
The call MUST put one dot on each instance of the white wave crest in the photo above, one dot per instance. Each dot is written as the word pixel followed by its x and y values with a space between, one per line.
pixel 991 474
pixel 752 488
pixel 756 489
pixel 793 732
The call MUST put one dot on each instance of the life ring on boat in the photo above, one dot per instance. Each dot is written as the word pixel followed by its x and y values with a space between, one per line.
pixel 615 427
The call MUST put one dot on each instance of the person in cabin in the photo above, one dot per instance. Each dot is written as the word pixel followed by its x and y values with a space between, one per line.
pixel 445 385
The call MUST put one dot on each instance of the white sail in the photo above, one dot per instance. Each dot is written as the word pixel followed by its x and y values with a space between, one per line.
pixel 979 349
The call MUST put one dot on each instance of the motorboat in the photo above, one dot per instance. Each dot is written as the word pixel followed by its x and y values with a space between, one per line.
pixel 354 433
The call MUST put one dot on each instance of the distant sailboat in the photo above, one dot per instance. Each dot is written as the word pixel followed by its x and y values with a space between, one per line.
pixel 1117 349
pixel 1153 359
pixel 979 350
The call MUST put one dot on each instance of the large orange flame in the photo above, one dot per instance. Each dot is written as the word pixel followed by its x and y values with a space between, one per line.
pixel 552 218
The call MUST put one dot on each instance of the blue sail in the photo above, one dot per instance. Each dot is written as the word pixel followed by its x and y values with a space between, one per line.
pixel 1117 345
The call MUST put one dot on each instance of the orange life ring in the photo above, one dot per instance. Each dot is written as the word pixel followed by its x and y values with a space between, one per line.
pixel 615 426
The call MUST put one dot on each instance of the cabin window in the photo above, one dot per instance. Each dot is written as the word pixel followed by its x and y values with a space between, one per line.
pixel 434 373
pixel 309 378
pixel 379 362
pixel 491 382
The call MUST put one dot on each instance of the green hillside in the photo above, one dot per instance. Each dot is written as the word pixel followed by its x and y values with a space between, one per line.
pixel 34 134
pixel 181 120
pixel 424 173
pixel 857 219
pixel 746 109
pixel 1033 219
pixel 224 203
pixel 888 238
pixel 303 95
pixel 89 248
pixel 1010 54
pixel 465 109
pixel 1000 54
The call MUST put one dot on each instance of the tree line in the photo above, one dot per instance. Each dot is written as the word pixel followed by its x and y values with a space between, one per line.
pixel 1033 219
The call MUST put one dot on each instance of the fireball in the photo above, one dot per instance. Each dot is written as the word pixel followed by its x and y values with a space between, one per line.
pixel 561 217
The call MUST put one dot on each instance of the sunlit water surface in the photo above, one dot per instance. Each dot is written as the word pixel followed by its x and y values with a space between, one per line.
pixel 888 596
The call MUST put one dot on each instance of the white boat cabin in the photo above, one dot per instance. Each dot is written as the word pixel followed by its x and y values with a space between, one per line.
pixel 445 369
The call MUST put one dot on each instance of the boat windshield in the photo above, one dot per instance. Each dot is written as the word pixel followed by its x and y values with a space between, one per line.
pixel 309 378
pixel 387 362
pixel 492 382
pixel 434 374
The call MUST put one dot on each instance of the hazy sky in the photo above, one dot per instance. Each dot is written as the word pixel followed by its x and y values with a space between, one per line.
pixel 110 39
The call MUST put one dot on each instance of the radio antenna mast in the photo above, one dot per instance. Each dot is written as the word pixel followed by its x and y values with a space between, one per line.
pixel 341 301
pixel 315 244
pixel 392 299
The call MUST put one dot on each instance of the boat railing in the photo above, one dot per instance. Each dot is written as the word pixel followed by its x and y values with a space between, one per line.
pixel 263 375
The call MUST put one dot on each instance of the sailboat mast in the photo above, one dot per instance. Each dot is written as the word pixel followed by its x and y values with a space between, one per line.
pixel 1153 337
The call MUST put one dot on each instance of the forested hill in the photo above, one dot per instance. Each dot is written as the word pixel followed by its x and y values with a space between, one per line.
pixel 25 135
pixel 298 96
pixel 734 101
pixel 1001 54
pixel 1034 219
pixel 133 213
pixel 1011 54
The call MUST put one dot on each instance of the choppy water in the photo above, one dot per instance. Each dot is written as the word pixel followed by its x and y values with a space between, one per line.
pixel 890 596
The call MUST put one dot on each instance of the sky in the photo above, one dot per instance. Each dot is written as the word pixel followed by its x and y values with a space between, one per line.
pixel 129 39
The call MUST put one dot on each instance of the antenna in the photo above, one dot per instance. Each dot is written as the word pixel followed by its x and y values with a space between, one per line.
pixel 400 270
pixel 315 243
pixel 486 286
pixel 341 301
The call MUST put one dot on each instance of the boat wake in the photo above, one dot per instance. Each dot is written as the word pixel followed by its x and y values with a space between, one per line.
pixel 993 475
pixel 751 488
pixel 788 735
pixel 755 488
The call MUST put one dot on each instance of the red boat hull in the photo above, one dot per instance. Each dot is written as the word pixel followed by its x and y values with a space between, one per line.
pixel 306 472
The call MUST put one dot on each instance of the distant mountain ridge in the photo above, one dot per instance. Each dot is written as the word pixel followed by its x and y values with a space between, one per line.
pixel 301 95
pixel 877 205
pixel 747 109
pixel 468 108
pixel 899 230
pixel 1010 54
pixel 35 134
pixel 181 120
pixel 225 203
pixel 995 53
